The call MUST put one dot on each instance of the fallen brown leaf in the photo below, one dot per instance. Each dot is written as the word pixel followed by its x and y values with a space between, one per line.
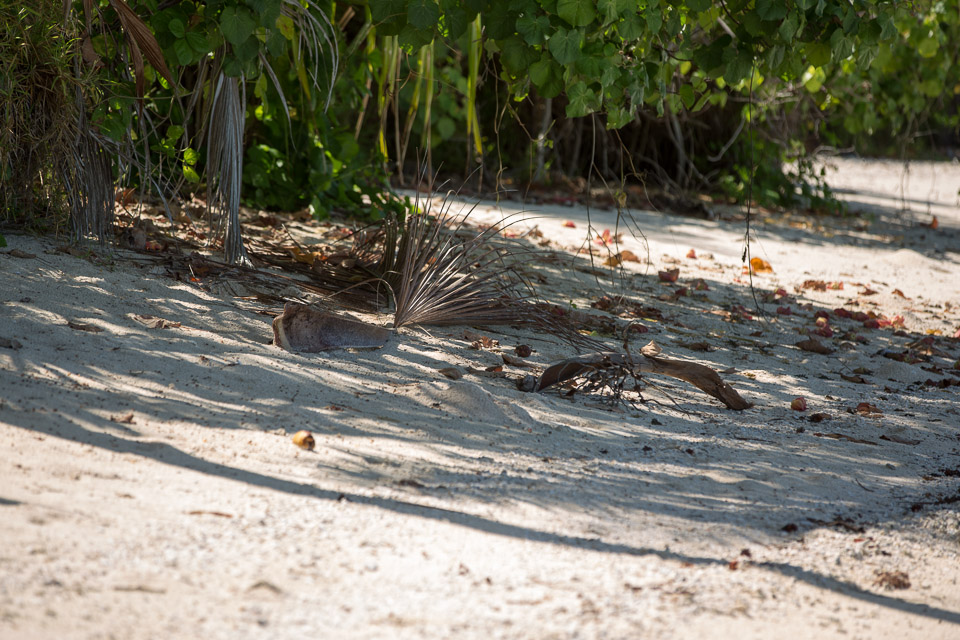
pixel 814 346
pixel 866 408
pixel 454 373
pixel 480 341
pixel 856 379
pixel 893 579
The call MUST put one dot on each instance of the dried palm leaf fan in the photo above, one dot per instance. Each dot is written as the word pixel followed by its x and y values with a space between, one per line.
pixel 440 278
pixel 442 273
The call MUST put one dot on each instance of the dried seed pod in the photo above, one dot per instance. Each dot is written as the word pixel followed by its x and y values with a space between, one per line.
pixel 304 440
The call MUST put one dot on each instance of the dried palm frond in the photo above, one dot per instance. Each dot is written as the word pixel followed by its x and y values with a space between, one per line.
pixel 141 41
pixel 87 176
pixel 317 39
pixel 438 278
pixel 315 42
pixel 225 163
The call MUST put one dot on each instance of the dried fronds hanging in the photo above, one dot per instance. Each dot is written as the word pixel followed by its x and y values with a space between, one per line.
pixel 225 163
pixel 87 175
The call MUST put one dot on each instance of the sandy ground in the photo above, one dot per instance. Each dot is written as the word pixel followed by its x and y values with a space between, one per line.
pixel 149 487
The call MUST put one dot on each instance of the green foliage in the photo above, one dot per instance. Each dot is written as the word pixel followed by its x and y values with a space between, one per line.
pixel 38 113
pixel 437 77
pixel 813 71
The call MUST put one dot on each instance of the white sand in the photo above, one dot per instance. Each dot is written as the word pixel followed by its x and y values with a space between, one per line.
pixel 434 508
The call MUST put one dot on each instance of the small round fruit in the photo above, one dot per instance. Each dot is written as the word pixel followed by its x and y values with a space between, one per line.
pixel 304 440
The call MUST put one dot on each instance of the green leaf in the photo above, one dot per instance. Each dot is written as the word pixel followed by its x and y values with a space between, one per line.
pixel 185 54
pixel 270 12
pixel 775 56
pixel 687 95
pixel 932 88
pixel 582 100
pixel 739 67
pixel 533 28
pixel 190 174
pixel 237 24
pixel 276 43
pixel 500 21
pixel 247 50
pixel 841 46
pixel 654 18
pixel 711 58
pixel 888 28
pixel 190 156
pixel 387 11
pixel 446 128
pixel 618 117
pixel 817 54
pixel 928 47
pixel 609 76
pixel 260 90
pixel 578 13
pixel 412 38
pixel 701 103
pixel 547 77
pixel 805 5
pixel 673 24
pixel 565 45
pixel 3 241
pixel 453 19
pixel 423 14
pixel 699 5
pixel 870 32
pixel 174 132
pixel 286 27
pixel 771 9
pixel 788 28
pixel 631 28
pixel 815 81
pixel 198 42
pixel 609 10
pixel 753 25
pixel 516 56
pixel 176 28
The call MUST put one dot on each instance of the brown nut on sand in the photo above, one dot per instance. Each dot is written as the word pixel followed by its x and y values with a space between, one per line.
pixel 304 440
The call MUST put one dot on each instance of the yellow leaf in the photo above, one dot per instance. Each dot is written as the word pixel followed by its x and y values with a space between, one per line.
pixel 759 265
pixel 303 257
